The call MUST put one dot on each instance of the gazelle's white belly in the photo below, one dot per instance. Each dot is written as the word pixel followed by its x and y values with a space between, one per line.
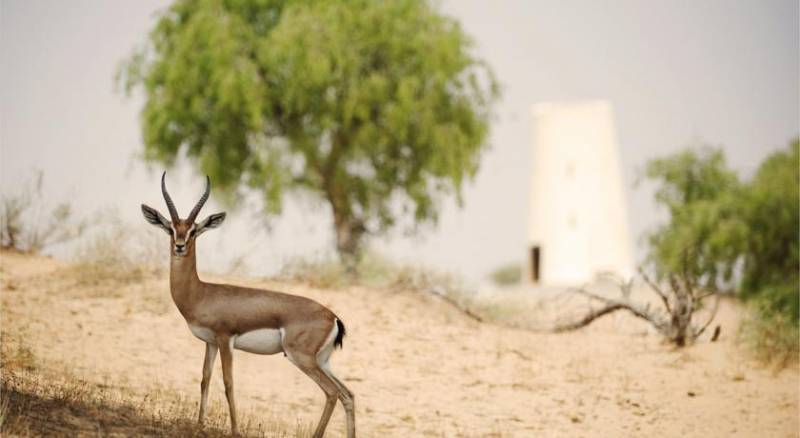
pixel 260 341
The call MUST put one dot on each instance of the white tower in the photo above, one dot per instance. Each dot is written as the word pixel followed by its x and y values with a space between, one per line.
pixel 578 215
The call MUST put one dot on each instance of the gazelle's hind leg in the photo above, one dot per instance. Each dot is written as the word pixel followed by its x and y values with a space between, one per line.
pixel 308 364
pixel 347 398
pixel 345 395
pixel 314 362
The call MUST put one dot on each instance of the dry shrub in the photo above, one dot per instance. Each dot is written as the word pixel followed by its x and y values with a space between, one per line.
pixel 320 273
pixel 117 252
pixel 772 337
pixel 675 316
pixel 28 224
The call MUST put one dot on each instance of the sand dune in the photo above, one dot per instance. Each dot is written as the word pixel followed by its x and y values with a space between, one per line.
pixel 417 366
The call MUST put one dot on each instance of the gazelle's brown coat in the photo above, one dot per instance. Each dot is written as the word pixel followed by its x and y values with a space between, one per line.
pixel 219 313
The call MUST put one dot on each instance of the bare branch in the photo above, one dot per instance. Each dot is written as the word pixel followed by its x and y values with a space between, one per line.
pixel 592 295
pixel 706 295
pixel 441 294
pixel 711 317
pixel 656 289
pixel 614 305
pixel 587 319
pixel 676 287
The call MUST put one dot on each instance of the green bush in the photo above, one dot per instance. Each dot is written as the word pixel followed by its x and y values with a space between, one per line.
pixel 507 275
pixel 706 227
pixel 735 235
pixel 739 236
pixel 772 211
pixel 773 336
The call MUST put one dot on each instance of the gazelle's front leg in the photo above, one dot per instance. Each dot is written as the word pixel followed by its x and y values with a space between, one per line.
pixel 226 354
pixel 208 367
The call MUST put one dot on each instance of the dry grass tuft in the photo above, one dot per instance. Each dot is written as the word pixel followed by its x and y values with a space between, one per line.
pixel 35 405
pixel 772 338
pixel 14 353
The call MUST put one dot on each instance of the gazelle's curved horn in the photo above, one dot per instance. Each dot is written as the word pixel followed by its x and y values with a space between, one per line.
pixel 201 202
pixel 172 212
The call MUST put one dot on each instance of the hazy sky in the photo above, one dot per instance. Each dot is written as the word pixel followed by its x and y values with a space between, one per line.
pixel 725 72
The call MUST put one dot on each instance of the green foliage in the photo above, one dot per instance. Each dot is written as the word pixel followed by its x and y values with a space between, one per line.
pixel 705 229
pixel 772 256
pixel 507 275
pixel 742 235
pixel 773 336
pixel 371 105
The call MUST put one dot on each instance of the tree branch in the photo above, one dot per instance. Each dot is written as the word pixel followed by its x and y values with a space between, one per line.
pixel 706 295
pixel 614 305
pixel 441 294
pixel 656 289
pixel 587 319
pixel 713 315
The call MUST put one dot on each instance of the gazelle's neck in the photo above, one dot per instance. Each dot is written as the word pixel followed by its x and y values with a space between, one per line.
pixel 184 283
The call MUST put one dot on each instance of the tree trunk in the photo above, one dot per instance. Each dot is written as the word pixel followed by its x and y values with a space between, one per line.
pixel 349 229
pixel 349 234
pixel 347 244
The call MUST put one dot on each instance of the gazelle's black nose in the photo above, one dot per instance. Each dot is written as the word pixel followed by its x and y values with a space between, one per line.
pixel 179 246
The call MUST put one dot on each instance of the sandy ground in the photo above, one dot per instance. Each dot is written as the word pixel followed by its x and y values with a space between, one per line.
pixel 417 366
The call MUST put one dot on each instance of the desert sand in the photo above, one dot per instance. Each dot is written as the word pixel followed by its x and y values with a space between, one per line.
pixel 418 367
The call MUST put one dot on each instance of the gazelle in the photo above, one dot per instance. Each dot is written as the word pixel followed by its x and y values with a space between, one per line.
pixel 258 321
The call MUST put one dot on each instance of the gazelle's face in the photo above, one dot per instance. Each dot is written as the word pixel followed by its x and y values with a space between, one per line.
pixel 182 232
pixel 183 236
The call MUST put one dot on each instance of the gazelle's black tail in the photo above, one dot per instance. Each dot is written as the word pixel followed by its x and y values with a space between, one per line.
pixel 340 334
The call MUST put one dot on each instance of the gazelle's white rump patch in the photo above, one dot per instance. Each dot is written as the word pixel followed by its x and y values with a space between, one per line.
pixel 261 341
pixel 324 353
pixel 203 333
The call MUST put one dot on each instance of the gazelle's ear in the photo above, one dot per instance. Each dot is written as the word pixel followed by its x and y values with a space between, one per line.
pixel 152 216
pixel 213 221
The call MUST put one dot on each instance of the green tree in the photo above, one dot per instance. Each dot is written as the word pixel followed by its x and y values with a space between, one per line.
pixel 378 107
pixel 706 228
pixel 742 236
